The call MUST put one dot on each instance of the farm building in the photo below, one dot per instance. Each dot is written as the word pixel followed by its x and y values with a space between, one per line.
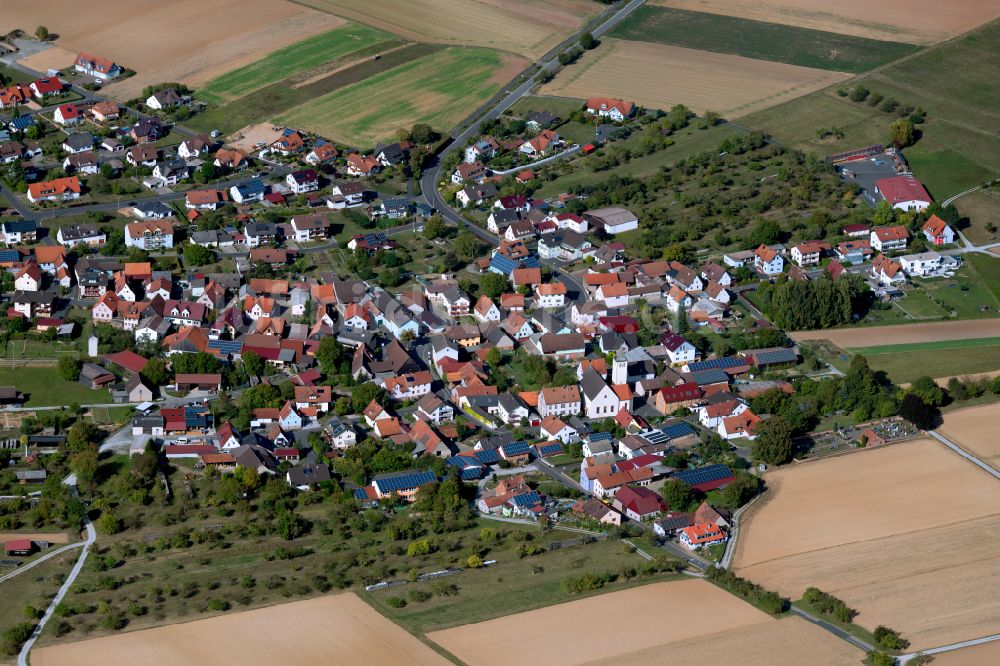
pixel 903 193
pixel 705 479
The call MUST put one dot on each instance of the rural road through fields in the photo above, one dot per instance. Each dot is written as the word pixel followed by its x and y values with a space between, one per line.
pixel 22 658
pixel 906 658
pixel 836 631
pixel 960 451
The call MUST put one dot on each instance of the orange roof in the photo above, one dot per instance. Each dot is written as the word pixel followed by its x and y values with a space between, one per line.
pixel 529 398
pixel 935 226
pixel 598 279
pixel 703 533
pixel 552 289
pixel 54 187
pixel 765 254
pixel 527 276
pixel 622 391
pixel 614 290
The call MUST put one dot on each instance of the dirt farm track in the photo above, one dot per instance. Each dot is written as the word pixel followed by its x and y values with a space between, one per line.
pixel 906 534
pixel 902 334
pixel 198 49
pixel 681 622
pixel 337 629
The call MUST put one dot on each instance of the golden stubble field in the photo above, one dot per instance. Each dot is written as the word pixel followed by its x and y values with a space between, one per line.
pixel 337 629
pixel 913 21
pixel 906 534
pixel 660 76
pixel 904 334
pixel 975 430
pixel 527 27
pixel 679 622
pixel 189 41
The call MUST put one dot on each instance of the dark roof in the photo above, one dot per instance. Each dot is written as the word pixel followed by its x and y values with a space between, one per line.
pixel 717 363
pixel 695 477
pixel 304 474
pixel 403 480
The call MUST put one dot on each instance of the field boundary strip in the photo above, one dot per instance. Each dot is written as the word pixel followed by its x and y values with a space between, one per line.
pixel 962 343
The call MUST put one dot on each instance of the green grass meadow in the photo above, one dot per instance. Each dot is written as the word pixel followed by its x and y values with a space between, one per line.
pixel 759 39
pixel 439 88
pixel 294 59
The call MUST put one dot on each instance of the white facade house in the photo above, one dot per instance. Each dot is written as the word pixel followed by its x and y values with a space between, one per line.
pixel 600 400
pixel 559 401
pixel 768 261
pixel 922 264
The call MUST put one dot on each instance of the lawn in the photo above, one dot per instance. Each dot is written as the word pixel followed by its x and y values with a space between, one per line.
pixel 14 75
pixel 758 39
pixel 561 107
pixel 440 88
pixel 300 57
pixel 512 586
pixel 987 270
pixel 926 346
pixel 45 387
pixel 33 588
pixel 980 208
pixel 906 366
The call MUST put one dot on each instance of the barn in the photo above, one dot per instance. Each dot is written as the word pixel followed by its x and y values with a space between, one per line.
pixel 19 547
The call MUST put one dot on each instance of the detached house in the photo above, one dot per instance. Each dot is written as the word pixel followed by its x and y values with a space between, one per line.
pixel 303 181
pixel 150 235
pixel 559 401
pixel 888 239
pixel 937 231
pixel 67 114
pixel 310 227
pixel 768 261
pixel 409 386
pixel 60 189
pixel 809 253
pixel 474 172
pixel 615 109
pixel 359 165
pixel 96 66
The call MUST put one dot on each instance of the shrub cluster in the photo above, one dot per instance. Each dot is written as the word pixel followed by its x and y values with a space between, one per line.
pixel 766 600
pixel 829 605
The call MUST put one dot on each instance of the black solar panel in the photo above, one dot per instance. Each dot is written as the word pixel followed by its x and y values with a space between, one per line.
pixel 675 430
pixel 406 481
pixel 694 477
pixel 717 363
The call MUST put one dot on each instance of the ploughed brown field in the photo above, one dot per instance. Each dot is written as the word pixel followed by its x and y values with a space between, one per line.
pixel 913 21
pixel 679 622
pixel 660 76
pixel 906 534
pixel 188 41
pixel 904 334
pixel 337 629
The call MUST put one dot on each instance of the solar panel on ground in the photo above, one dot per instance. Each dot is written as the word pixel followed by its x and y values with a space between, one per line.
pixel 693 477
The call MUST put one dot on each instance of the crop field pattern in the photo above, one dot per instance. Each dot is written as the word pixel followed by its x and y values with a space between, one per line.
pixel 905 534
pixel 759 39
pixel 659 76
pixel 526 27
pixel 189 41
pixel 913 21
pixel 439 89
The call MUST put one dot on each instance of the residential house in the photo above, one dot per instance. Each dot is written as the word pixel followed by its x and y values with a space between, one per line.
pixel 679 350
pixel 96 66
pixel 319 398
pixel 483 150
pixel 702 534
pixel 937 231
pixel 768 261
pixel 408 386
pixel 86 234
pixel 474 172
pixel 551 295
pixel 164 99
pixel 614 109
pixel 889 239
pixel 360 165
pixel 809 253
pixel 303 181
pixel 554 428
pixel 639 503
pixel 78 142
pixel 559 401
pixel 310 227
pixel 67 114
pixel 249 192
pixel 59 189
pixel 150 235
pixel 142 155
pixel 740 426
pixel 322 153
pixel 486 309
pixel 206 199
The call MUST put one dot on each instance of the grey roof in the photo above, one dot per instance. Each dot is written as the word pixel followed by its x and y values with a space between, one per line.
pixel 305 474
pixel 592 383
pixel 79 140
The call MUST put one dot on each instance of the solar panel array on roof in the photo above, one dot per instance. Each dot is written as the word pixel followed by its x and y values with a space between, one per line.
pixel 531 261
pixel 654 436
pixel 376 239
pixel 714 376
pixel 717 363
pixel 776 356
pixel 676 430
pixel 463 462
pixel 516 448
pixel 226 346
pixel 600 437
pixel 10 255
pixel 503 264
pixel 549 449
pixel 527 499
pixel 694 477
pixel 404 481
pixel 360 494
pixel 488 456
pixel 471 473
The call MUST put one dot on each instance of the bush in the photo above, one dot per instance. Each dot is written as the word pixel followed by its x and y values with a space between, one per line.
pixel 829 605
pixel 15 636
pixel 419 595
pixel 587 582
pixel 218 605
pixel 766 600
pixel 474 562
pixel 396 602
pixel 889 638
pixel 419 548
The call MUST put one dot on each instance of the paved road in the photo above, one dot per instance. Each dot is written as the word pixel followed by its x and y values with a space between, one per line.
pixel 903 659
pixel 960 451
pixel 22 658
pixel 47 556
pixel 833 629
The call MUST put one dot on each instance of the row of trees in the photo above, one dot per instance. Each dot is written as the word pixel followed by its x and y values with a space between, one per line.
pixel 810 304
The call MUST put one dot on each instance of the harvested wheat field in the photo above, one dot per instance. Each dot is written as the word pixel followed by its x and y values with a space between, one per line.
pixel 912 21
pixel 905 534
pixel 526 27
pixel 50 58
pixel 975 430
pixel 977 655
pixel 659 76
pixel 686 615
pixel 189 41
pixel 338 629
pixel 904 334
pixel 51 537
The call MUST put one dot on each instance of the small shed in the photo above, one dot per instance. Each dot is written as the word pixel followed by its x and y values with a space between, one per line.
pixel 21 547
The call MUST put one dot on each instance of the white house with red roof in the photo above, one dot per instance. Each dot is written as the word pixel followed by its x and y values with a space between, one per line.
pixel 679 350
pixel 702 534
pixel 888 239
pixel 937 231
pixel 608 107
pixel 67 114
pixel 768 261
pixel 741 426
pixel 409 386
pixel 903 193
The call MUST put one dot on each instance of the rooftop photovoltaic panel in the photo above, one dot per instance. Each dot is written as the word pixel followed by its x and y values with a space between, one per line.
pixel 675 430
pixel 470 473
pixel 654 436
pixel 600 437
pixel 717 363
pixel 693 477
pixel 10 255
pixel 488 456
pixel 360 494
pixel 776 356
pixel 404 481
pixel 517 448
pixel 226 346
pixel 550 449
pixel 463 462
pixel 527 499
